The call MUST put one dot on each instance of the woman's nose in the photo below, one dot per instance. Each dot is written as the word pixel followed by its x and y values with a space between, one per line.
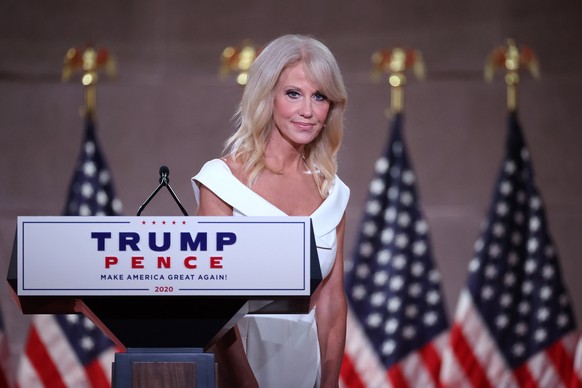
pixel 306 108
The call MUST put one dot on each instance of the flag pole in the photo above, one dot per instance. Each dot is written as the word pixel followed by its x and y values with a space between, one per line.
pixel 89 62
pixel 395 62
pixel 511 59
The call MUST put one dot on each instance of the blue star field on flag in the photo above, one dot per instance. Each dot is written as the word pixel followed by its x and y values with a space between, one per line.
pixel 91 192
pixel 514 277
pixel 392 284
pixel 86 339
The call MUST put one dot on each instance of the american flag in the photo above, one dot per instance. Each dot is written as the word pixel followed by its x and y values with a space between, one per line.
pixel 397 323
pixel 514 326
pixel 69 350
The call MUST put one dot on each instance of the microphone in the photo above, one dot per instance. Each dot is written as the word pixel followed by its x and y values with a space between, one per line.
pixel 164 181
pixel 164 175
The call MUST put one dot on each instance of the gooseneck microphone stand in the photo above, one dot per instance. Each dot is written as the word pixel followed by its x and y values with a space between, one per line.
pixel 164 182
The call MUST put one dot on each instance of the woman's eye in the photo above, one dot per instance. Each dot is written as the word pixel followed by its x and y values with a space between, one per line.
pixel 319 97
pixel 292 94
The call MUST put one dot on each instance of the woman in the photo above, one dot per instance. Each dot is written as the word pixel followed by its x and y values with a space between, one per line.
pixel 282 161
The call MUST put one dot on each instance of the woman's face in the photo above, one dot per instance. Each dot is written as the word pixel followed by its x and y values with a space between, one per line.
pixel 300 109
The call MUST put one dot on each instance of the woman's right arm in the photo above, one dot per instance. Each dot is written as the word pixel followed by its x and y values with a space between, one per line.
pixel 233 367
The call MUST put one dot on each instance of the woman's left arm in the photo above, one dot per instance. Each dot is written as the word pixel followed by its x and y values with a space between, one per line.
pixel 331 313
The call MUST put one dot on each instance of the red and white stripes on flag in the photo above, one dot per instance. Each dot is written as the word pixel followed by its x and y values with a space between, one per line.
pixel 474 360
pixel 50 360
pixel 514 325
pixel 363 368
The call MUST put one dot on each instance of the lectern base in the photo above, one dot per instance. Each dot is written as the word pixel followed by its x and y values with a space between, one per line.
pixel 155 367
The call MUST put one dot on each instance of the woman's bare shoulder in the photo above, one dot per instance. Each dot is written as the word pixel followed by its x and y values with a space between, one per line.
pixel 236 167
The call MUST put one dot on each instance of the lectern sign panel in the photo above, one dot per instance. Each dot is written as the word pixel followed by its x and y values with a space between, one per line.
pixel 82 256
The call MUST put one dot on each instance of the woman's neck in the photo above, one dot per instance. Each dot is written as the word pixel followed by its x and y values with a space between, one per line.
pixel 283 158
pixel 285 164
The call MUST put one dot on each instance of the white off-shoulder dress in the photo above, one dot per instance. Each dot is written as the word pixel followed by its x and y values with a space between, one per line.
pixel 283 350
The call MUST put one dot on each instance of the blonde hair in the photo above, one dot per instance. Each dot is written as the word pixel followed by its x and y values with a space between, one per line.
pixel 254 117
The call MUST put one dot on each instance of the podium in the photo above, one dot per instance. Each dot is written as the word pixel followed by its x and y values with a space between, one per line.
pixel 164 289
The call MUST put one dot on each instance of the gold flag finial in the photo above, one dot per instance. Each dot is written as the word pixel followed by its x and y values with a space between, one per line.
pixel 89 62
pixel 238 60
pixel 395 62
pixel 511 59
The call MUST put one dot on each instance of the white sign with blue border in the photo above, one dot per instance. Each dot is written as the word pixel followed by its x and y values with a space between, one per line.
pixel 84 256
